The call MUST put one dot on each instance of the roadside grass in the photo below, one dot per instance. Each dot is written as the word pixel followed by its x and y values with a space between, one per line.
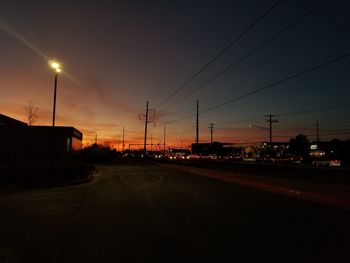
pixel 44 173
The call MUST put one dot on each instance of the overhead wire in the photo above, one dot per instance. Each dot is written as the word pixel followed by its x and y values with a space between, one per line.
pixel 328 108
pixel 251 52
pixel 308 111
pixel 221 52
pixel 279 82
pixel 272 85
pixel 311 69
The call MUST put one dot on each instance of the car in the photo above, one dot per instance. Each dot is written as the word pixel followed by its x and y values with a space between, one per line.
pixel 296 160
pixel 280 160
pixel 326 163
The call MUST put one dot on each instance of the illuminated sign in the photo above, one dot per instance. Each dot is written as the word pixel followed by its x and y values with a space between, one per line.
pixel 313 147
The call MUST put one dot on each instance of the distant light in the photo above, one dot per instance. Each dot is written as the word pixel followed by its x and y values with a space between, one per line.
pixel 54 64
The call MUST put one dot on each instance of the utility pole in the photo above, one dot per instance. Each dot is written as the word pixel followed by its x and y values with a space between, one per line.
pixel 317 132
pixel 54 98
pixel 96 139
pixel 146 116
pixel 211 127
pixel 270 120
pixel 197 126
pixel 164 137
pixel 146 122
pixel 123 139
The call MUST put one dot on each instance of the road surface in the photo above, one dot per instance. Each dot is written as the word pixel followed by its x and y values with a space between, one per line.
pixel 148 213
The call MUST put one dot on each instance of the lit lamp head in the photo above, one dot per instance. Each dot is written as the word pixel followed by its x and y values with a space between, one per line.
pixel 56 66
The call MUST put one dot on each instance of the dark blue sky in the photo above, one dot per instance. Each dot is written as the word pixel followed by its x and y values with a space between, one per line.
pixel 118 54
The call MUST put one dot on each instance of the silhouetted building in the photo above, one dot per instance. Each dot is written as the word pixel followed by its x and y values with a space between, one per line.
pixel 178 153
pixel 266 150
pixel 217 148
pixel 8 121
pixel 333 149
pixel 18 140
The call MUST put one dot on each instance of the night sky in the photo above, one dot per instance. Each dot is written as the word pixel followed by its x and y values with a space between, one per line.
pixel 116 55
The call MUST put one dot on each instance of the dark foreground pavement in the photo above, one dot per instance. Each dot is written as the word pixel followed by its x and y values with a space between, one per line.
pixel 147 213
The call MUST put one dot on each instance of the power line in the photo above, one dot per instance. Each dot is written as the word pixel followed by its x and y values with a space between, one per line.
pixel 240 121
pixel 302 112
pixel 285 129
pixel 333 107
pixel 285 29
pixel 286 79
pixel 222 51
pixel 304 72
pixel 181 119
pixel 307 111
pixel 288 114
pixel 291 136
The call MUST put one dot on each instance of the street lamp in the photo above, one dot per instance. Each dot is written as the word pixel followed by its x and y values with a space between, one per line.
pixel 57 67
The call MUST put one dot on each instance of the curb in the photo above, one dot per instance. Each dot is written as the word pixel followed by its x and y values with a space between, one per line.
pixel 293 193
pixel 73 182
pixel 53 184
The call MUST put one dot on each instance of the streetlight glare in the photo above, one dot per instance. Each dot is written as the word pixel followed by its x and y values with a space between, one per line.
pixel 58 70
pixel 54 65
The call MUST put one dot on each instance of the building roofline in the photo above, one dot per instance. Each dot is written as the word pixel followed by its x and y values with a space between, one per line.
pixel 10 121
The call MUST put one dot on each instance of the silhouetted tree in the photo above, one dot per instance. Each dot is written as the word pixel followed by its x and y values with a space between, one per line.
pixel 299 146
pixel 31 113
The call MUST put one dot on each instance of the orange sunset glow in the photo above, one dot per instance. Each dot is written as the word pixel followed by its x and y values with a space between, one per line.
pixel 163 131
pixel 110 70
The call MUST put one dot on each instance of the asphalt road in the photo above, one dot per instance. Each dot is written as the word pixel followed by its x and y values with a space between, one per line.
pixel 147 213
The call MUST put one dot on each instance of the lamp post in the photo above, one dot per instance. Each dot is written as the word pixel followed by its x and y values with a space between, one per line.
pixel 57 67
